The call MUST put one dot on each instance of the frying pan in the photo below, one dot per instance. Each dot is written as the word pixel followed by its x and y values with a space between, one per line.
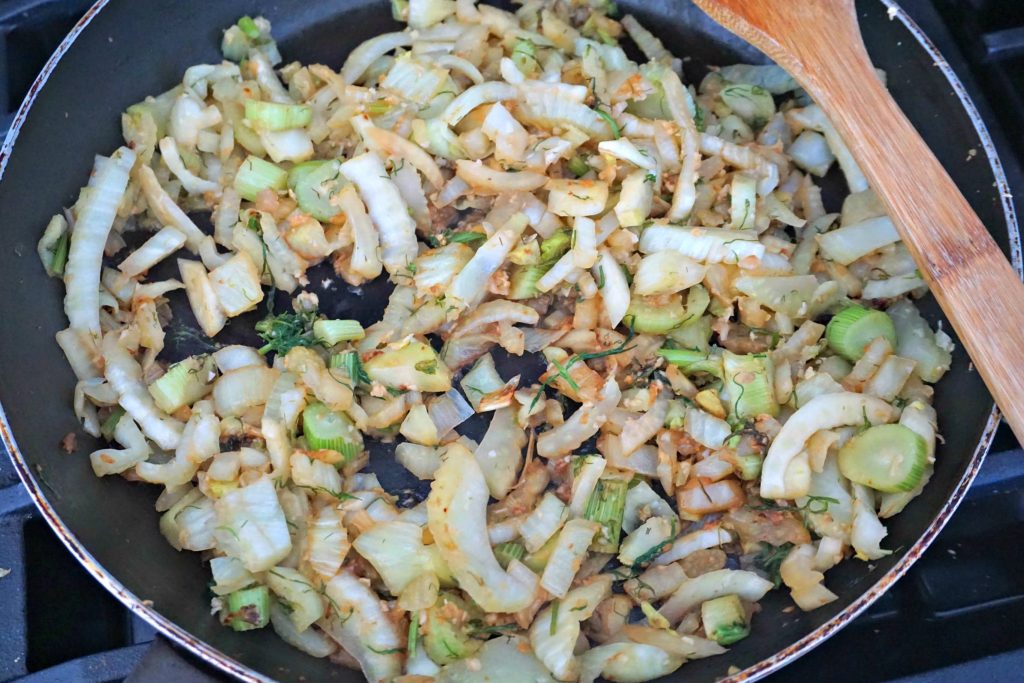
pixel 123 50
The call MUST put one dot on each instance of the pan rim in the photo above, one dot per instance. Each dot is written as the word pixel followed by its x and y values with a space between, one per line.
pixel 214 656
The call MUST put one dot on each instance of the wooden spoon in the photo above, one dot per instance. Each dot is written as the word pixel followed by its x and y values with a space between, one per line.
pixel 819 43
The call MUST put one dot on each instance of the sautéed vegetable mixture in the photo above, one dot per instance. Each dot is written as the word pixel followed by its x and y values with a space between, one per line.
pixel 738 384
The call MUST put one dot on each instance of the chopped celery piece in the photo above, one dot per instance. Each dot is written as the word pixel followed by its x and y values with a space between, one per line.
pixel 60 254
pixel 523 283
pixel 697 301
pixel 446 635
pixel 853 328
pixel 506 552
pixel 248 26
pixel 183 384
pixel 110 424
pixel 524 278
pixel 470 237
pixel 331 332
pixel 724 619
pixel 256 175
pixel 413 637
pixel 538 560
pixel 349 361
pixel 248 609
pixel 415 366
pixel 326 429
pixel 235 44
pixel 748 466
pixel 606 506
pixel 277 116
pixel 245 136
pixel 524 55
pixel 578 166
pixel 889 458
pixel 692 361
pixel 676 415
pixel 750 383
pixel 646 317
pixel 554 247
pixel 315 184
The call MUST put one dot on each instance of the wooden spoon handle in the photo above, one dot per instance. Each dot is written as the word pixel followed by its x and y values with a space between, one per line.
pixel 977 288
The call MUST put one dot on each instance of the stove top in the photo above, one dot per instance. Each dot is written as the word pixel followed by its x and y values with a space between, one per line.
pixel 955 616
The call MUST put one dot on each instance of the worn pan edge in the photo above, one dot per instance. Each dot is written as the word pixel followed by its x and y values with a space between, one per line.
pixel 217 658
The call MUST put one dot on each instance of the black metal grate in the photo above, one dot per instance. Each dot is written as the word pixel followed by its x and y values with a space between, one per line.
pixel 956 616
pixel 991 35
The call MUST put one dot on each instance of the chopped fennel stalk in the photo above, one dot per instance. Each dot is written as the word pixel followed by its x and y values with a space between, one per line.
pixel 330 430
pixel 353 366
pixel 725 620
pixel 606 506
pixel 183 384
pixel 888 458
pixel 277 116
pixel 331 332
pixel 749 381
pixel 256 175
pixel 60 254
pixel 506 552
pixel 852 329
pixel 248 609
pixel 110 424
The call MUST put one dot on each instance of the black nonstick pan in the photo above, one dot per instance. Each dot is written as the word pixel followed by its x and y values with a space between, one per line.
pixel 123 50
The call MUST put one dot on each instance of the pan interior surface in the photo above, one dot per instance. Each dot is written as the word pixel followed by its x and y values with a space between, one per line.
pixel 134 49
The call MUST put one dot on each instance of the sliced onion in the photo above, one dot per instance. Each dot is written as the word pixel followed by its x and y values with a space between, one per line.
pixel 360 59
pixel 192 183
pixel 485 180
pixel 583 424
pixel 401 148
pixel 804 581
pixel 448 411
pixel 688 544
pixel 96 213
pixel 115 461
pixel 125 376
pixel 360 624
pixel 492 91
pixel 538 338
pixel 823 412
pixel 166 209
pixel 457 508
pixel 554 635
pixel 748 585
pixel 496 311
pixel 389 212
pixel 158 247
pixel 461 65
pixel 500 453
pixel 470 285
